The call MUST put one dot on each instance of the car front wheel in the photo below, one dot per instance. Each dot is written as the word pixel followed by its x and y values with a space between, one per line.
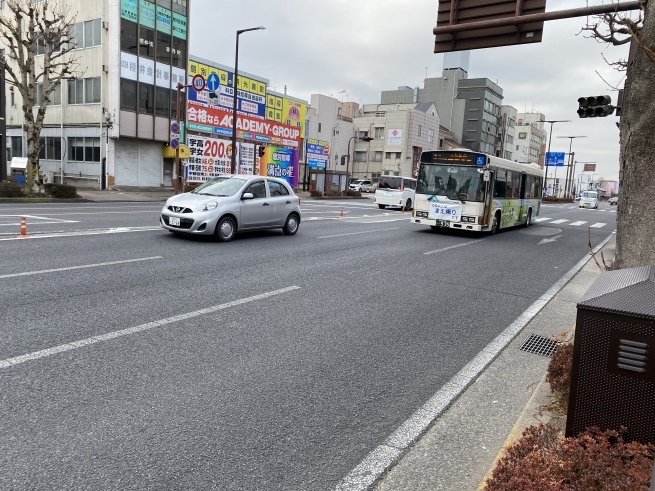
pixel 226 229
pixel 291 225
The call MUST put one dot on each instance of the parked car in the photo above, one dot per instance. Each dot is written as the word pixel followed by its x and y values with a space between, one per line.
pixel 369 188
pixel 576 199
pixel 228 204
pixel 614 200
pixel 357 184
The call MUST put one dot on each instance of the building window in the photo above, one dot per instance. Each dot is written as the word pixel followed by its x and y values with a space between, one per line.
pixel 75 36
pixel 163 48
pixel 179 52
pixel 50 148
pixel 76 91
pixel 129 37
pixel 377 156
pixel 380 114
pixel 360 156
pixel 55 95
pixel 379 133
pixel 92 90
pixel 523 136
pixel 419 130
pixel 162 102
pixel 92 32
pixel 335 131
pixel 146 98
pixel 431 136
pixel 441 143
pixel 319 127
pixel 147 43
pixel 128 94
pixel 82 149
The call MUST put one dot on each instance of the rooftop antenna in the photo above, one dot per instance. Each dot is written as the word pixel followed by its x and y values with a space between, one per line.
pixel 342 92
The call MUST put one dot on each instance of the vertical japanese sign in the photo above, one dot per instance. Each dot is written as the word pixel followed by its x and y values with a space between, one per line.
pixel 280 162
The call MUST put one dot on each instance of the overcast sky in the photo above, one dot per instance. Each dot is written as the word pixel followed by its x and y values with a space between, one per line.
pixel 365 46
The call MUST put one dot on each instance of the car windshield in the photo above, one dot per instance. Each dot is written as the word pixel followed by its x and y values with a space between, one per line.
pixel 220 186
pixel 590 195
pixel 455 182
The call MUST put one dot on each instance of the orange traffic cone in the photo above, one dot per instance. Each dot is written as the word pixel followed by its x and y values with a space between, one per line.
pixel 403 209
pixel 341 214
pixel 23 227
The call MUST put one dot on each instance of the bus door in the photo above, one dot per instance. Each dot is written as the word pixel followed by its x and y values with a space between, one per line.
pixel 490 185
pixel 524 209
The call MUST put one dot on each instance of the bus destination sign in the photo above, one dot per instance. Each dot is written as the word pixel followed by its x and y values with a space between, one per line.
pixel 462 158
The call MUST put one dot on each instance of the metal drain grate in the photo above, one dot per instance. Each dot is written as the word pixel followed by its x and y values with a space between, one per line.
pixel 539 345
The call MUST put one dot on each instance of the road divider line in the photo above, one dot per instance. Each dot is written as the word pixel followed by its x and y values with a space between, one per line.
pixel 35 355
pixel 557 222
pixel 387 454
pixel 357 233
pixel 541 219
pixel 577 224
pixel 597 225
pixel 451 247
pixel 84 266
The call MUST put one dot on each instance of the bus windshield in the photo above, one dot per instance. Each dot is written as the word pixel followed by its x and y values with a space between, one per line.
pixel 463 183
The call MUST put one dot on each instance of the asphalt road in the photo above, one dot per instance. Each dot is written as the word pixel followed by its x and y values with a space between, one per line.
pixel 135 359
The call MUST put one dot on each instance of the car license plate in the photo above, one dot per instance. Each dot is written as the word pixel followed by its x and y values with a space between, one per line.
pixel 174 221
pixel 443 223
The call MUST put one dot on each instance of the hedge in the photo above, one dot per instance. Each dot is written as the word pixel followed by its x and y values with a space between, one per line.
pixel 61 191
pixel 10 190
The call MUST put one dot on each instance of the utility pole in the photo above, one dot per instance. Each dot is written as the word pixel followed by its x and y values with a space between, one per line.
pixel 177 174
pixel 3 127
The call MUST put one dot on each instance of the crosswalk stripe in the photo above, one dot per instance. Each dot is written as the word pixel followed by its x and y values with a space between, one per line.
pixel 542 219
pixel 598 225
pixel 561 220
pixel 577 224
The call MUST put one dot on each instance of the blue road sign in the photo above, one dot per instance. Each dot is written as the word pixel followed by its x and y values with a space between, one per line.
pixel 175 127
pixel 175 143
pixel 212 82
pixel 555 158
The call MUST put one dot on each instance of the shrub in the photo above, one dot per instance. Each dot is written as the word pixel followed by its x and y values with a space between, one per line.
pixel 552 199
pixel 61 191
pixel 10 190
pixel 355 194
pixel 558 374
pixel 316 194
pixel 593 461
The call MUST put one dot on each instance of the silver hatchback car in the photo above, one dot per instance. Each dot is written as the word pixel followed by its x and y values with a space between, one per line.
pixel 228 204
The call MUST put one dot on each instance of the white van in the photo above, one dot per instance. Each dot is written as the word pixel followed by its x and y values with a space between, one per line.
pixel 395 191
pixel 588 199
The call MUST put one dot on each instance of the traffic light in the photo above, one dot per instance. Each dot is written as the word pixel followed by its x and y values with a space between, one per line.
pixel 262 150
pixel 597 106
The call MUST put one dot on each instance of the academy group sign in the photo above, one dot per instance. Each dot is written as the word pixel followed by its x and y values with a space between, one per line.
pixel 218 121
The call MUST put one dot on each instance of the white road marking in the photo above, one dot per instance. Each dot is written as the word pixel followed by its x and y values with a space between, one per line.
pixel 120 230
pixel 597 225
pixel 561 220
pixel 40 220
pixel 384 456
pixel 357 233
pixel 85 266
pixel 541 219
pixel 35 355
pixel 577 224
pixel 451 247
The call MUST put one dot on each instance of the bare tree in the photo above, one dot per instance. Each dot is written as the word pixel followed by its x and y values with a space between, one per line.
pixel 27 30
pixel 635 239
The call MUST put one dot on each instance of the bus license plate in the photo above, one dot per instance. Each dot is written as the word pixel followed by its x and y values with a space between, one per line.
pixel 443 223
pixel 174 222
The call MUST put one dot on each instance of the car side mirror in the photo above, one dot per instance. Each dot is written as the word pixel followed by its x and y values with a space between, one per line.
pixel 247 196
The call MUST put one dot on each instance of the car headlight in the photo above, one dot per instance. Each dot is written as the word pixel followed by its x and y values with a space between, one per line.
pixel 210 205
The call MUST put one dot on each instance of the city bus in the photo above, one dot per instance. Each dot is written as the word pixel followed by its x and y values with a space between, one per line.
pixel 473 191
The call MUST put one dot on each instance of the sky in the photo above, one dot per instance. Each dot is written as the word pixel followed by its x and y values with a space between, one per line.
pixel 354 49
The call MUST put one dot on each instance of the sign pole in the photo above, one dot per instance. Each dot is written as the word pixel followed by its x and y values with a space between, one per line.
pixel 176 166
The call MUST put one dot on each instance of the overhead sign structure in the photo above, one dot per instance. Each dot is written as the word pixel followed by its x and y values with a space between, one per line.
pixel 555 159
pixel 589 168
pixel 198 82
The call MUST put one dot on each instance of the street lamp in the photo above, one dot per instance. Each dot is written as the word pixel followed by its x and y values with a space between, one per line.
pixel 566 180
pixel 364 139
pixel 233 164
pixel 176 168
pixel 550 137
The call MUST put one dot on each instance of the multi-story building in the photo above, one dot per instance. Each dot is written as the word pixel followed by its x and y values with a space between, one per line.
pixel 507 132
pixel 470 108
pixel 530 138
pixel 399 132
pixel 111 125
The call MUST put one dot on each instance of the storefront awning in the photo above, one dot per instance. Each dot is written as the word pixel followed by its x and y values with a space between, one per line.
pixel 168 152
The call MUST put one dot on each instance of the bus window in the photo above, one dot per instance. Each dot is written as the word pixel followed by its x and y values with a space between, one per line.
pixel 501 186
pixel 523 185
pixel 516 185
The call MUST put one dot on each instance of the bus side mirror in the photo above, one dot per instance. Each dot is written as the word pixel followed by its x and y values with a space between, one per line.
pixel 487 176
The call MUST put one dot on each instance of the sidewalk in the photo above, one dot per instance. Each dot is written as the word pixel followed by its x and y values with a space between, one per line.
pixel 460 449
